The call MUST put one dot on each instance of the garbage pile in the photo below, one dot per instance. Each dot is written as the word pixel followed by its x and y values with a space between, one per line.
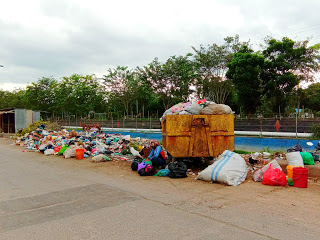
pixel 144 167
pixel 101 146
pixel 269 172
pixel 201 107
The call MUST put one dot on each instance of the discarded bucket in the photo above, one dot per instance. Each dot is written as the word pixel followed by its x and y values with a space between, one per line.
pixel 300 177
pixel 80 153
pixel 289 170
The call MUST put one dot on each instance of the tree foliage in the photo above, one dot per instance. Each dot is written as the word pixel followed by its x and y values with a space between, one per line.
pixel 287 64
pixel 171 81
pixel 211 64
pixel 245 70
pixel 230 73
pixel 40 95
pixel 79 94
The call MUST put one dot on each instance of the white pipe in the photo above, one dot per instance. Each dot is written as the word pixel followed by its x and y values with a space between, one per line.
pixel 272 134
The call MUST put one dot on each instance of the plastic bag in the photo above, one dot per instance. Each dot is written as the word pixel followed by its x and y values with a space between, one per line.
pixel 177 170
pixel 307 158
pixel 194 108
pixel 163 173
pixel 99 158
pixel 57 149
pixel 258 175
pixel 274 177
pixel 49 152
pixel 230 168
pixel 296 148
pixel 70 152
pixel 61 151
pixel 294 158
pixel 148 170
pixel 216 109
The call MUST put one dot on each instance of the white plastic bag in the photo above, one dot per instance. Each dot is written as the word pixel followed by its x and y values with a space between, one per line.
pixel 294 158
pixel 49 152
pixel 230 168
pixel 258 175
pixel 194 108
pixel 216 109
pixel 99 158
pixel 70 152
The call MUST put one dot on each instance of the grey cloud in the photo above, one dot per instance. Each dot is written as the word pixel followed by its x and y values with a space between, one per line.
pixel 88 42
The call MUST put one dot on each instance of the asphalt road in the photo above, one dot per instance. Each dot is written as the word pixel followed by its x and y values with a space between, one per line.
pixel 45 198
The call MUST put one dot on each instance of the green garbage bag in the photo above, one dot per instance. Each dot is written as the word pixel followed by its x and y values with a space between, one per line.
pixel 307 158
pixel 61 151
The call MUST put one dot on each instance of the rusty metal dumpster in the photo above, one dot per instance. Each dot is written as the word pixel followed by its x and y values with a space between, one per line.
pixel 198 135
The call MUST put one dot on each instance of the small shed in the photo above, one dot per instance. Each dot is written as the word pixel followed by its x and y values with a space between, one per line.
pixel 13 119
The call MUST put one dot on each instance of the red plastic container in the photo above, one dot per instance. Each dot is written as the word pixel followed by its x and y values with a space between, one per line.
pixel 300 177
pixel 80 153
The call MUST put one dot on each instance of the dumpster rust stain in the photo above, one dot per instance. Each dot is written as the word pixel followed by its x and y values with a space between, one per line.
pixel 198 135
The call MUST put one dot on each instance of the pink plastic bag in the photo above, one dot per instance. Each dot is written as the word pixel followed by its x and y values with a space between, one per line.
pixel 274 177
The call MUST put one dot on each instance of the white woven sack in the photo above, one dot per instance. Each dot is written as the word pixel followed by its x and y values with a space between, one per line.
pixel 294 158
pixel 230 168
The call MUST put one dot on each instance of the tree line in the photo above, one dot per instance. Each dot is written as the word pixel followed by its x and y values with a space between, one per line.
pixel 270 80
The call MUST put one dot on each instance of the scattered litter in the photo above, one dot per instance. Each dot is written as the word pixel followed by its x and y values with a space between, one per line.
pixel 258 175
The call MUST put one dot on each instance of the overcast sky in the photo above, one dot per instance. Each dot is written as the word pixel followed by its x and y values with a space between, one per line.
pixel 43 38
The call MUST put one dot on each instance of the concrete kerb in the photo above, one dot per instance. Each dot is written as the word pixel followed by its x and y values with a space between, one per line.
pixel 314 170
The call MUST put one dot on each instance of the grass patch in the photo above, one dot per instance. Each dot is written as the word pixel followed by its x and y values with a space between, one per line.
pixel 241 152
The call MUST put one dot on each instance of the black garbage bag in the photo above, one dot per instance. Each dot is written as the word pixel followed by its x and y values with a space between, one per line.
pixel 296 148
pixel 177 169
pixel 107 152
pixel 135 163
pixel 147 171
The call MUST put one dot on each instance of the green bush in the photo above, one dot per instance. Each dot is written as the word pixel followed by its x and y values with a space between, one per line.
pixel 315 130
pixel 49 126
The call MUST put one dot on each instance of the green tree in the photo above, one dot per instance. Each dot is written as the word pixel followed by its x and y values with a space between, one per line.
pixel 40 95
pixel 13 99
pixel 122 86
pixel 80 94
pixel 211 63
pixel 171 81
pixel 244 71
pixel 287 64
pixel 312 97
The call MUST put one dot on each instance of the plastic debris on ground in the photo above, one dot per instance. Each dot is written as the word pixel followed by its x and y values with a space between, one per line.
pixel 101 146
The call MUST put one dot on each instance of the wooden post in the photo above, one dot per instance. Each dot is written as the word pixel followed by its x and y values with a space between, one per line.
pixel 8 123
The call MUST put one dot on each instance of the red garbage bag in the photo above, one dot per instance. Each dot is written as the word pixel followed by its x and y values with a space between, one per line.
pixel 274 177
pixel 57 149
